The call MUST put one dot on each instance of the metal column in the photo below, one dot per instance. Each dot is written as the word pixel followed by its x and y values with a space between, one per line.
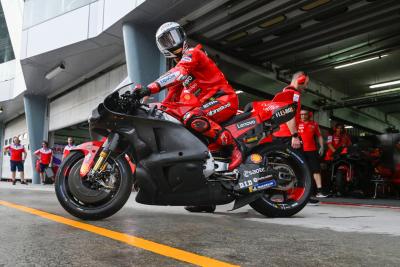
pixel 36 112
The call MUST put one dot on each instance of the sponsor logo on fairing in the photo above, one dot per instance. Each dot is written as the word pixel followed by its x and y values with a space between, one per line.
pixel 221 108
pixel 246 124
pixel 252 172
pixel 265 185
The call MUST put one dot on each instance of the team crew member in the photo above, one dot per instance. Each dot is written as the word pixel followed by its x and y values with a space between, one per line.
pixel 287 133
pixel 201 84
pixel 339 139
pixel 308 130
pixel 17 159
pixel 45 156
pixel 68 147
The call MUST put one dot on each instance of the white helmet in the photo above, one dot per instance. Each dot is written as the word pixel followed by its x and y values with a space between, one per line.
pixel 170 37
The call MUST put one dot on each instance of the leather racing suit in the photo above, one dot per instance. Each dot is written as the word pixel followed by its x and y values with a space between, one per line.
pixel 199 76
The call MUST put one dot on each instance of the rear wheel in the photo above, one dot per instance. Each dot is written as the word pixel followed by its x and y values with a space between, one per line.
pixel 93 199
pixel 294 184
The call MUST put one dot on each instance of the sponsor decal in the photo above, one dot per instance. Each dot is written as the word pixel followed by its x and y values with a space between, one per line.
pixel 188 80
pixel 221 108
pixel 265 185
pixel 329 138
pixel 252 172
pixel 283 112
pixel 269 106
pixel 245 184
pixel 246 124
pixel 186 97
pixel 256 158
pixel 168 78
pixel 186 58
pixel 296 97
pixel 210 104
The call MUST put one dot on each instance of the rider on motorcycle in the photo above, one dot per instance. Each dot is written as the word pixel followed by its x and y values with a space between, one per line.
pixel 287 133
pixel 197 76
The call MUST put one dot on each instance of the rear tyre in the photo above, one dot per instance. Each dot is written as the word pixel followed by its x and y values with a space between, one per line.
pixel 289 197
pixel 86 200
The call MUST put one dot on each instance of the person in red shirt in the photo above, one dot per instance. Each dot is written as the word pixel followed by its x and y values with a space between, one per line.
pixel 200 84
pixel 45 156
pixel 287 133
pixel 17 159
pixel 68 147
pixel 339 140
pixel 308 130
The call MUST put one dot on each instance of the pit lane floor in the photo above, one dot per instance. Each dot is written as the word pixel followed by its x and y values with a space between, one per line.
pixel 324 235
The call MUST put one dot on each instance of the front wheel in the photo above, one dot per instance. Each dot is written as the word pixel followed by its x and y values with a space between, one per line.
pixel 93 199
pixel 294 183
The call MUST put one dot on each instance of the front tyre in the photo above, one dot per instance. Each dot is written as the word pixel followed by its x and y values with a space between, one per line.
pixel 294 184
pixel 93 200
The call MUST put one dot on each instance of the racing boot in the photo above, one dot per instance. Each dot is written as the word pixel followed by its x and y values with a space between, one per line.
pixel 207 127
pixel 225 138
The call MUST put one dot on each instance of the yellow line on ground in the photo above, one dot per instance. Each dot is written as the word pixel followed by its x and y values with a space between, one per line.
pixel 161 249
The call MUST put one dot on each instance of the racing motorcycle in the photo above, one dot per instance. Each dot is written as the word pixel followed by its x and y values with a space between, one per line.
pixel 351 170
pixel 146 147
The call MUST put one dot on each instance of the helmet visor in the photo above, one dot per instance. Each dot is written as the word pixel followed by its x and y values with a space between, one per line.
pixel 171 39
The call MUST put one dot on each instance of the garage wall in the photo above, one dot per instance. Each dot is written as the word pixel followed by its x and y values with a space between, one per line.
pixel 16 127
pixel 76 106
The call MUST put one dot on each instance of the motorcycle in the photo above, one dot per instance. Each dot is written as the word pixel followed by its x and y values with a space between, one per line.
pixel 148 148
pixel 350 170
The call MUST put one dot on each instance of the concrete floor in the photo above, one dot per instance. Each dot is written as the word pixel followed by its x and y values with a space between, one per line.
pixel 324 235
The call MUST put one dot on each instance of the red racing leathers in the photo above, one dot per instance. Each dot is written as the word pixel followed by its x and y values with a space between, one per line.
pixel 197 75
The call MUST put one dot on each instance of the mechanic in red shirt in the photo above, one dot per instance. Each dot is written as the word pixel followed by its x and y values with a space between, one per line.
pixel 17 159
pixel 200 83
pixel 45 156
pixel 308 130
pixel 68 147
pixel 287 133
pixel 339 140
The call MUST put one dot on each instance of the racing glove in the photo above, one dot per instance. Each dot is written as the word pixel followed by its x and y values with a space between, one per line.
pixel 139 91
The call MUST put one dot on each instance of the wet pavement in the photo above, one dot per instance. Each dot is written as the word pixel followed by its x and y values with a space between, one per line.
pixel 323 235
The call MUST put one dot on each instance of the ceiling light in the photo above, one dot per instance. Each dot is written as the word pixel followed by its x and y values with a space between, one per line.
pixel 54 72
pixel 360 61
pixel 348 127
pixel 271 22
pixel 236 36
pixel 239 92
pixel 378 85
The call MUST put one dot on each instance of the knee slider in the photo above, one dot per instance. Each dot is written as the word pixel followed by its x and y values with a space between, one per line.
pixel 198 124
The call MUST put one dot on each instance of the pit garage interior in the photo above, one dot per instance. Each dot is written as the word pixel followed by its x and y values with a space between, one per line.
pixel 351 51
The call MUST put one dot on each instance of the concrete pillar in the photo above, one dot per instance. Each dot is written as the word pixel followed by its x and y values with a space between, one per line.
pixel 143 59
pixel 36 112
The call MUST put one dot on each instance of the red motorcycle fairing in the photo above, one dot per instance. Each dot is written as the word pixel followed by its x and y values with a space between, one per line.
pixel 90 150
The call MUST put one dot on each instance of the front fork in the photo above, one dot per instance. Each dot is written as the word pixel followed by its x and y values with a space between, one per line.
pixel 109 146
